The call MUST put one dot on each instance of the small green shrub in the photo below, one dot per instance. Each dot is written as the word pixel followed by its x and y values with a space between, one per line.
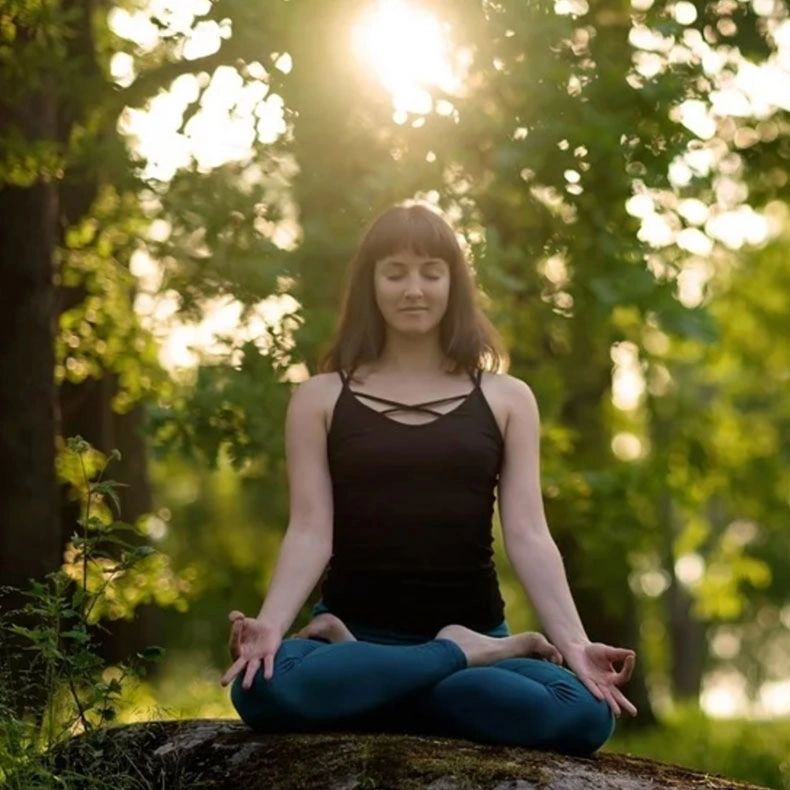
pixel 65 687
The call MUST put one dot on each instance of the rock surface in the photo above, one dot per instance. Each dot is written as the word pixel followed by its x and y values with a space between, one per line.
pixel 210 754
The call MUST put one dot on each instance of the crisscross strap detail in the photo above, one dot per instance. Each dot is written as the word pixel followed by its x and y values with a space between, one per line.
pixel 398 406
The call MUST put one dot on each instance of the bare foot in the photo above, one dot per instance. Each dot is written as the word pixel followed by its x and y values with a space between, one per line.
pixel 481 650
pixel 327 626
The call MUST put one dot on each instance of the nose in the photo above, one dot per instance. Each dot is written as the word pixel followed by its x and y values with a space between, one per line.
pixel 413 290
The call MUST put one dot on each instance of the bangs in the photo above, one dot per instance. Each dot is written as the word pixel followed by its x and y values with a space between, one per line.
pixel 415 229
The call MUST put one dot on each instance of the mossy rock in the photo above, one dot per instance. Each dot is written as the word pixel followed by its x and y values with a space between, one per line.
pixel 210 754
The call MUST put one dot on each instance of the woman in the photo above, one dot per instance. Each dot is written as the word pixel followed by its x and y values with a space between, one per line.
pixel 392 474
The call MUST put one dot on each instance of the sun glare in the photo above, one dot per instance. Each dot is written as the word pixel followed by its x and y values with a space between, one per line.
pixel 408 50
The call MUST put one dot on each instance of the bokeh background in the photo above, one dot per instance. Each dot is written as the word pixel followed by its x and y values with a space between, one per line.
pixel 182 185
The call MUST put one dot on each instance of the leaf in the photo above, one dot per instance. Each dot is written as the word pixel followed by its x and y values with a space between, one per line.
pixel 28 632
pixel 77 444
pixel 141 552
pixel 151 653
pixel 78 636
pixel 107 488
pixel 114 539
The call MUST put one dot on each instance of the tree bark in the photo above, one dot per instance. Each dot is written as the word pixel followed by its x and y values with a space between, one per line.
pixel 29 520
pixel 29 529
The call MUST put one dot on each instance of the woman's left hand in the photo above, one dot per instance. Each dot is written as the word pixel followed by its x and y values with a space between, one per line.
pixel 593 664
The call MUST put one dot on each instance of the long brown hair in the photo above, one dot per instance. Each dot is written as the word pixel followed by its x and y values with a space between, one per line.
pixel 467 337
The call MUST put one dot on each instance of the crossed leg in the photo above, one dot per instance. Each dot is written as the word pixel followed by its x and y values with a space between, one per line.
pixel 422 689
pixel 317 686
pixel 520 701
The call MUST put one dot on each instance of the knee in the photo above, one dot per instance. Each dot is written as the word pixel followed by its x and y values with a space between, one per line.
pixel 256 704
pixel 594 726
pixel 283 699
pixel 265 702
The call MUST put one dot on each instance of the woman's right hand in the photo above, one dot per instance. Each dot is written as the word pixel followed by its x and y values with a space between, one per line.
pixel 251 641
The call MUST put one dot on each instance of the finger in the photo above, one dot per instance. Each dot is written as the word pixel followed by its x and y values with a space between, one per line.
pixel 235 638
pixel 628 667
pixel 252 668
pixel 236 615
pixel 625 673
pixel 268 666
pixel 618 653
pixel 240 627
pixel 592 686
pixel 234 670
pixel 624 702
pixel 611 701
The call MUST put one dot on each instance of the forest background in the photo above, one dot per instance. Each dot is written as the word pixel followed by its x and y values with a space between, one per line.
pixel 181 188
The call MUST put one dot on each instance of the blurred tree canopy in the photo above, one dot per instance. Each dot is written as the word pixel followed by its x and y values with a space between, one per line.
pixel 563 147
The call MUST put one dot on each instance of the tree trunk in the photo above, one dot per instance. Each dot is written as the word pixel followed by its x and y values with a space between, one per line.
pixel 688 644
pixel 29 525
pixel 29 528
pixel 621 629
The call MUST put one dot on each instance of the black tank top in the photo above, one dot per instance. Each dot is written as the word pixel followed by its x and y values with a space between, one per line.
pixel 412 541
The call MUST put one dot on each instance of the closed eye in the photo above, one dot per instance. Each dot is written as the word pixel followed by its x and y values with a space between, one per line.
pixel 400 276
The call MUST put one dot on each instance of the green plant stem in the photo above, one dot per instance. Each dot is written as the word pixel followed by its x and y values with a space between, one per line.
pixel 96 597
pixel 106 697
pixel 83 718
pixel 67 727
pixel 85 535
pixel 50 696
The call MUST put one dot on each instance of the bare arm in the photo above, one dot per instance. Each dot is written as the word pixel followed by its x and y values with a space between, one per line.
pixel 526 537
pixel 537 561
pixel 307 545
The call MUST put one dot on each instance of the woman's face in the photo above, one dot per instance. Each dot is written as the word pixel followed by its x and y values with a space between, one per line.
pixel 412 291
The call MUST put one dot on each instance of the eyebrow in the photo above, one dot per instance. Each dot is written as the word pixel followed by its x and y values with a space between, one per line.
pixel 430 262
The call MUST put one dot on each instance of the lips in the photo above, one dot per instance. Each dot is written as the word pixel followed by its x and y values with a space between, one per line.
pixel 414 309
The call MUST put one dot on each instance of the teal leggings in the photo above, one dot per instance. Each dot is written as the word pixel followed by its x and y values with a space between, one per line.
pixel 399 683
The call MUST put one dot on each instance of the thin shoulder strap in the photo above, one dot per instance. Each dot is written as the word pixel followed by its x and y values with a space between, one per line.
pixel 477 377
pixel 343 377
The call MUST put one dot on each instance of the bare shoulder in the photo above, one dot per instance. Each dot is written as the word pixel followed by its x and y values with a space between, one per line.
pixel 507 395
pixel 518 388
pixel 321 391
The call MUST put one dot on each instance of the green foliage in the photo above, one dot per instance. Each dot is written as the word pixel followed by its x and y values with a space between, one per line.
pixel 139 574
pixel 566 272
pixel 238 408
pixel 750 750
pixel 66 688
pixel 567 276
pixel 101 333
